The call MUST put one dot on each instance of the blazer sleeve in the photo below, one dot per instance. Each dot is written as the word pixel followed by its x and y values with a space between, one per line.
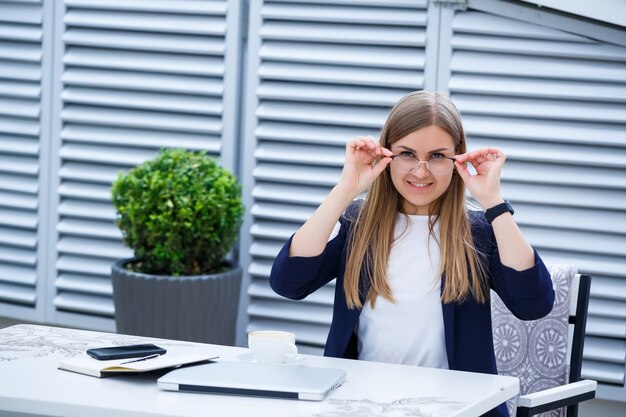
pixel 528 294
pixel 296 277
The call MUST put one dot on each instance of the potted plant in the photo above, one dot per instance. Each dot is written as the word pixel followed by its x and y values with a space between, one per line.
pixel 180 213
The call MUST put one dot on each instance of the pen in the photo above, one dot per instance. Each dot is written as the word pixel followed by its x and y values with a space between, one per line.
pixel 141 359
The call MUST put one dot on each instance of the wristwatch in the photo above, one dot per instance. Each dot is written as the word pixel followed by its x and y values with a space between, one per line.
pixel 498 209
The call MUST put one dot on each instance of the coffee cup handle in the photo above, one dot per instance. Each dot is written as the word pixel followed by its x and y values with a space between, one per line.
pixel 292 353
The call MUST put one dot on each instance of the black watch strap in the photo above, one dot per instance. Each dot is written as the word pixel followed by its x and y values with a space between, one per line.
pixel 495 211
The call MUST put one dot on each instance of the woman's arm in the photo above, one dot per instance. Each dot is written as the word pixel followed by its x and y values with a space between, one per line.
pixel 359 171
pixel 515 252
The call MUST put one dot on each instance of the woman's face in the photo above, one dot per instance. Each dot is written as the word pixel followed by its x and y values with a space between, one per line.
pixel 420 187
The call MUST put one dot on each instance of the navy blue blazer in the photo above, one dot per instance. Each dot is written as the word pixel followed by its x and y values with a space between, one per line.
pixel 467 325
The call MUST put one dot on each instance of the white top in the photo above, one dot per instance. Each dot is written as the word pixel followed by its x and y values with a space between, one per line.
pixel 409 331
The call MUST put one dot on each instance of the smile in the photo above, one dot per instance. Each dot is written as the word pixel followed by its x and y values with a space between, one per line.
pixel 420 185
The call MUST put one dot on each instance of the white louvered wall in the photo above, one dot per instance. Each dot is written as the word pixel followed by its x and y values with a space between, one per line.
pixel 137 76
pixel 327 71
pixel 555 102
pixel 21 82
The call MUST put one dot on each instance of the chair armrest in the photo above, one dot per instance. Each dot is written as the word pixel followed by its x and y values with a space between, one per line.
pixel 582 389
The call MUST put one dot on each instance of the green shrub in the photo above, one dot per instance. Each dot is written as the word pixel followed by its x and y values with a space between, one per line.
pixel 180 212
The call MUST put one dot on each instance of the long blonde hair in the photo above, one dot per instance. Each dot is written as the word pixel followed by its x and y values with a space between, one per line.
pixel 373 231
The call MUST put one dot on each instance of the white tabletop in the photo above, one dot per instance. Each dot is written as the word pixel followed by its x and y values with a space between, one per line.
pixel 31 383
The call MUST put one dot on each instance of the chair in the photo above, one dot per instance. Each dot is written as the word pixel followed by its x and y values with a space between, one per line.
pixel 541 353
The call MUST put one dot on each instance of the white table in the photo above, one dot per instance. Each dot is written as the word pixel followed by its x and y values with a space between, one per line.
pixel 30 383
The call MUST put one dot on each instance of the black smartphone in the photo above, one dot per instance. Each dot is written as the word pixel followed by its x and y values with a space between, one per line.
pixel 121 352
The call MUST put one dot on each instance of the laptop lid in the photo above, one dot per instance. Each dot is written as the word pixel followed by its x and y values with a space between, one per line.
pixel 239 378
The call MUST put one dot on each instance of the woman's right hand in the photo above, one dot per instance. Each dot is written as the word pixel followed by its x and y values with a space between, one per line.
pixel 359 172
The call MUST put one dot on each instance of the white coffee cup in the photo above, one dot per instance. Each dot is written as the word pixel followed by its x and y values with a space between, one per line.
pixel 272 346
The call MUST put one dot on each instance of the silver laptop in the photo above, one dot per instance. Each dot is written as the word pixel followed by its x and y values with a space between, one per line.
pixel 240 378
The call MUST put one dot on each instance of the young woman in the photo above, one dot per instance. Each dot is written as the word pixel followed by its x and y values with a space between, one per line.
pixel 413 265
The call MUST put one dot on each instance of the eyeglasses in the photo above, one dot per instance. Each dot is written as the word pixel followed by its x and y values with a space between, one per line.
pixel 437 164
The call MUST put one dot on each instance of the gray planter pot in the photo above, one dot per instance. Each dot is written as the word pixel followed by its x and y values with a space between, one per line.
pixel 199 308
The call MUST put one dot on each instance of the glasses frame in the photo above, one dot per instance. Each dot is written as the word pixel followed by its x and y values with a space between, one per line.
pixel 417 165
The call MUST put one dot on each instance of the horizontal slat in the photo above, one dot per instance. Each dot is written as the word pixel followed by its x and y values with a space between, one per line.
pixel 85 191
pixel 82 303
pixel 265 249
pixel 140 138
pixel 309 133
pixel 569 218
pixel 127 40
pixel 342 34
pixel 533 67
pixel 17 294
pixel 362 117
pixel 93 247
pixel 272 230
pixel 594 178
pixel 105 154
pixel 87 210
pixel 290 310
pixel 20 90
pixel 262 290
pixel 89 173
pixel 610 287
pixel 540 130
pixel 18 274
pixel 286 193
pixel 17 238
pixel 125 80
pixel 21 52
pixel 603 372
pixel 21 71
pixel 372 56
pixel 364 15
pixel 174 103
pixel 282 212
pixel 560 153
pixel 409 4
pixel 20 33
pixel 141 119
pixel 166 23
pixel 295 175
pixel 21 13
pixel 83 284
pixel 605 350
pixel 542 47
pixel 90 229
pixel 329 94
pixel 144 61
pixel 19 165
pixel 19 145
pixel 18 218
pixel 577 241
pixel 18 201
pixel 17 256
pixel 540 109
pixel 84 265
pixel 609 308
pixel 379 77
pixel 548 89
pixel 300 154
pixel 602 326
pixel 593 264
pixel 27 185
pixel 19 108
pixel 172 6
pixel 260 268
pixel 557 194
pixel 488 24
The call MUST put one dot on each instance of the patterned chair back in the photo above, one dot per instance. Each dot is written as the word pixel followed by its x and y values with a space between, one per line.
pixel 537 352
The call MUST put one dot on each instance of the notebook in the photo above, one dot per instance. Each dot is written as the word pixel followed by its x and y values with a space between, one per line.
pixel 240 378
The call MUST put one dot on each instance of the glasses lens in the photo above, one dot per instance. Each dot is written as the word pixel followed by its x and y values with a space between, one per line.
pixel 440 166
pixel 405 163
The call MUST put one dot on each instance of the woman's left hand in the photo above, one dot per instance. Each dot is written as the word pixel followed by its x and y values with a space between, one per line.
pixel 485 185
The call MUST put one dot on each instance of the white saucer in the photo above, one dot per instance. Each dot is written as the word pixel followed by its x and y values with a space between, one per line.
pixel 247 357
